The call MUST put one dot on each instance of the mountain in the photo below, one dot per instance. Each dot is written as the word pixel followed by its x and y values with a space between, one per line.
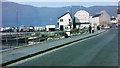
pixel 14 14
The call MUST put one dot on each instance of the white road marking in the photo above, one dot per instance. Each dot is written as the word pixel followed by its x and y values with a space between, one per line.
pixel 31 58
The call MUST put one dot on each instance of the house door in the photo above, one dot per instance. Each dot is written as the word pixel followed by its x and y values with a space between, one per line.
pixel 61 27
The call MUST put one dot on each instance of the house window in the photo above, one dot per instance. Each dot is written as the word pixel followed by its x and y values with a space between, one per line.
pixel 61 20
pixel 66 27
pixel 69 20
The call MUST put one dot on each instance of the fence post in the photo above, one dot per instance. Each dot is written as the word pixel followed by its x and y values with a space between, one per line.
pixel 39 36
pixel 25 39
pixel 10 39
pixel 17 38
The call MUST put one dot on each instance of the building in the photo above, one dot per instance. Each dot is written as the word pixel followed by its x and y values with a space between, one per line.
pixel 22 28
pixel 31 28
pixel 90 19
pixel 50 27
pixel 39 28
pixel 65 20
pixel 5 29
pixel 81 17
pixel 102 18
pixel 118 17
pixel 95 21
pixel 113 21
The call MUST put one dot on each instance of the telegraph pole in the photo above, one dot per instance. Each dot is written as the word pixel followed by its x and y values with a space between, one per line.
pixel 71 10
pixel 17 17
pixel 50 21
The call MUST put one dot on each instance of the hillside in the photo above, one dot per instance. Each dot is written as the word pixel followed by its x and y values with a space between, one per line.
pixel 40 16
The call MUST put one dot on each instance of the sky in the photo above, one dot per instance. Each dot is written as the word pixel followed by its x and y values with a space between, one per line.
pixel 62 3
pixel 63 0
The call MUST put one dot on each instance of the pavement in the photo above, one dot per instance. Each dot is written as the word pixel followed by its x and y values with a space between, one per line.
pixel 15 55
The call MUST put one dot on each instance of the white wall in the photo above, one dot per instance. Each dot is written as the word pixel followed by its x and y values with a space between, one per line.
pixel 66 28
pixel 82 16
pixel 90 19
pixel 50 26
pixel 95 21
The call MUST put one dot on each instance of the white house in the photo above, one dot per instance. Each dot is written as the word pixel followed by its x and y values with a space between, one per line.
pixel 102 18
pixel 81 18
pixel 113 21
pixel 95 20
pixel 65 20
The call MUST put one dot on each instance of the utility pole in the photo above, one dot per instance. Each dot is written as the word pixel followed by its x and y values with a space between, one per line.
pixel 17 17
pixel 50 21
pixel 71 10
pixel 17 26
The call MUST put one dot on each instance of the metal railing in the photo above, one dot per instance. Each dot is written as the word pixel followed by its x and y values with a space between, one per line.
pixel 18 39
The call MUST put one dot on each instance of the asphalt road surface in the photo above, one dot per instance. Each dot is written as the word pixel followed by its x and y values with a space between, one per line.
pixel 101 50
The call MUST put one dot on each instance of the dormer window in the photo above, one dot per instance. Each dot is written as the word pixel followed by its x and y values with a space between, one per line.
pixel 61 20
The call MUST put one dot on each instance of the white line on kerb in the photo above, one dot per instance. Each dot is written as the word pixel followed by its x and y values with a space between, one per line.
pixel 28 59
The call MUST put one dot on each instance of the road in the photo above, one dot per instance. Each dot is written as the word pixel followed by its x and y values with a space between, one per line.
pixel 101 50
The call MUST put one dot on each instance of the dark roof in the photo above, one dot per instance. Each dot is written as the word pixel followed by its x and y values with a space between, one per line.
pixel 97 15
pixel 64 15
pixel 113 18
